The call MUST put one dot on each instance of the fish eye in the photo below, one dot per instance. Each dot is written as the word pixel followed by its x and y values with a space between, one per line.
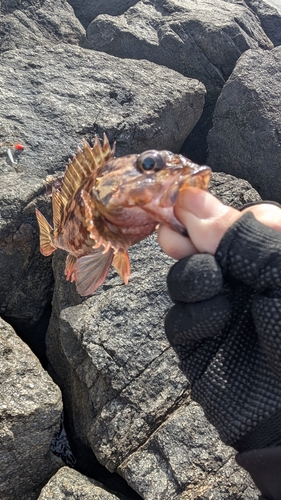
pixel 150 161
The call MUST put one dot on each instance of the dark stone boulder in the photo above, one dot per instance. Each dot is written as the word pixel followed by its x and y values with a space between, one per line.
pixel 246 135
pixel 87 10
pixel 269 16
pixel 199 40
pixel 68 483
pixel 36 22
pixel 30 408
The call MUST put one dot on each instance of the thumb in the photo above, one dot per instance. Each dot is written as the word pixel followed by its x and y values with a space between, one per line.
pixel 205 218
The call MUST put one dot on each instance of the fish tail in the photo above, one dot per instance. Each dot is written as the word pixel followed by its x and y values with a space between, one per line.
pixel 46 242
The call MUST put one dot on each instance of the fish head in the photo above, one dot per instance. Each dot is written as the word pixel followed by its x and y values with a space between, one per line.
pixel 136 189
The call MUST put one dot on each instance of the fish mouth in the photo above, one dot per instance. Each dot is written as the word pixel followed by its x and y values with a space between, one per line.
pixel 190 176
pixel 197 176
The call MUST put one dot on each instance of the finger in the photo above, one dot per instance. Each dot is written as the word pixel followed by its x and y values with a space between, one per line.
pixel 205 218
pixel 195 278
pixel 188 324
pixel 174 244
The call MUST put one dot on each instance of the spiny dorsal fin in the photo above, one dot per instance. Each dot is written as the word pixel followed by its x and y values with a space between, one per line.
pixel 57 207
pixel 84 164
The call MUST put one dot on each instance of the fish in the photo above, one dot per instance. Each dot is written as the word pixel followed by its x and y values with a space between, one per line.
pixel 104 204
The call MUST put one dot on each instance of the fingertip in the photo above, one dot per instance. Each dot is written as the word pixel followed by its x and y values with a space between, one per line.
pixel 174 244
pixel 205 217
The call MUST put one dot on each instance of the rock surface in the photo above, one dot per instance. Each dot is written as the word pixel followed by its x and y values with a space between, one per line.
pixel 269 17
pixel 68 483
pixel 246 136
pixel 62 94
pixel 201 40
pixel 184 459
pixel 30 408
pixel 87 10
pixel 33 23
pixel 232 191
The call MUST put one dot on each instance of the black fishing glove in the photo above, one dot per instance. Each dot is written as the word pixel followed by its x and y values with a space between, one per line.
pixel 226 329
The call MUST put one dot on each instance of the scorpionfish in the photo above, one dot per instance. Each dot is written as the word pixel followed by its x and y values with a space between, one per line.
pixel 106 204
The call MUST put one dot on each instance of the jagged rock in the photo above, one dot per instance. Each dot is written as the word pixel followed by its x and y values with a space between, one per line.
pixel 201 40
pixel 232 191
pixel 68 483
pixel 245 138
pixel 269 16
pixel 62 94
pixel 36 22
pixel 30 408
pixel 87 10
pixel 122 387
pixel 186 460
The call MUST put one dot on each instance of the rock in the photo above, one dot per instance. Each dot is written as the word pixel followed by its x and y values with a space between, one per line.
pixel 87 10
pixel 275 4
pixel 199 40
pixel 245 138
pixel 123 351
pixel 232 191
pixel 184 459
pixel 269 17
pixel 36 22
pixel 123 390
pixel 68 483
pixel 62 94
pixel 30 408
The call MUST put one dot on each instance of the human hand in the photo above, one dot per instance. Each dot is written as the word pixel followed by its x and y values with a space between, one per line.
pixel 226 322
pixel 206 220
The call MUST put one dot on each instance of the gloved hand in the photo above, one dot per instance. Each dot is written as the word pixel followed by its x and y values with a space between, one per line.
pixel 226 329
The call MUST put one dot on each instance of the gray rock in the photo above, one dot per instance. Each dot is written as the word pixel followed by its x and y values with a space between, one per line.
pixel 30 408
pixel 36 22
pixel 245 138
pixel 62 94
pixel 275 4
pixel 232 191
pixel 269 16
pixel 68 483
pixel 123 362
pixel 184 459
pixel 87 10
pixel 199 40
pixel 123 390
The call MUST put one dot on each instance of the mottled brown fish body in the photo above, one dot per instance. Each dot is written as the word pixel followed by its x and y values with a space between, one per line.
pixel 107 204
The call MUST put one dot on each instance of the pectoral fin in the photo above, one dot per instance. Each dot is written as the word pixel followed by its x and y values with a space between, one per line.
pixel 91 270
pixel 121 262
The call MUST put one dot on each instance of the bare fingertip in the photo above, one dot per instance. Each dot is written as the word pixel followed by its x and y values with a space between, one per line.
pixel 174 244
